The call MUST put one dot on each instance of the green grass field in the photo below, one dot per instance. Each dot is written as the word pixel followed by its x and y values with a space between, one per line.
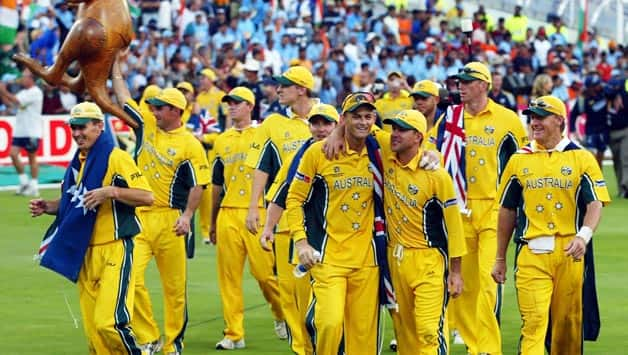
pixel 35 303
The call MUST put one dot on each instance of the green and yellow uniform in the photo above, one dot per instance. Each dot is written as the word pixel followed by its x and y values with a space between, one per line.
pixel 106 281
pixel 234 241
pixel 173 162
pixel 550 191
pixel 330 202
pixel 388 107
pixel 492 136
pixel 210 100
pixel 276 141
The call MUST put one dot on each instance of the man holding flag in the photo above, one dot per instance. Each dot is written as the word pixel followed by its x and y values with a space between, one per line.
pixel 91 240
pixel 476 140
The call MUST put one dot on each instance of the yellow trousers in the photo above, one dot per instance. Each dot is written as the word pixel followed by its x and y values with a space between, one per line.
pixel 418 276
pixel 476 311
pixel 550 285
pixel 295 295
pixel 106 290
pixel 345 299
pixel 234 245
pixel 159 240
pixel 205 212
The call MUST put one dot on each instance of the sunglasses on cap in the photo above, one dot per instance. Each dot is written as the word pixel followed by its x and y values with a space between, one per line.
pixel 360 96
pixel 540 104
pixel 467 70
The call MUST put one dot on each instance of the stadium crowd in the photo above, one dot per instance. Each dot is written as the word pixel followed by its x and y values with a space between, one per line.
pixel 225 54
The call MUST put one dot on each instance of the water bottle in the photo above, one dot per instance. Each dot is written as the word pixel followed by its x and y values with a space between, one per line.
pixel 300 270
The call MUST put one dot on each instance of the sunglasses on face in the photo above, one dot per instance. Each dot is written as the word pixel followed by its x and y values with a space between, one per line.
pixel 472 71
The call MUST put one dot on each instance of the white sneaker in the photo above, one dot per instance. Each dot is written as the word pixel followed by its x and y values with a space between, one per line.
pixel 207 241
pixel 20 190
pixel 31 191
pixel 228 344
pixel 152 348
pixel 457 337
pixel 281 330
pixel 393 345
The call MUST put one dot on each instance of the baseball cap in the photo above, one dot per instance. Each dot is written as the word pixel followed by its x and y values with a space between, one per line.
pixel 151 91
pixel 185 86
pixel 353 101
pixel 169 96
pixel 394 72
pixel 328 112
pixel 296 75
pixel 474 71
pixel 85 112
pixel 209 73
pixel 545 106
pixel 240 94
pixel 425 88
pixel 409 119
pixel 251 65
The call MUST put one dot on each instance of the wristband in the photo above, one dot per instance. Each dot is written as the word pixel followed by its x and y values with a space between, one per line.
pixel 586 233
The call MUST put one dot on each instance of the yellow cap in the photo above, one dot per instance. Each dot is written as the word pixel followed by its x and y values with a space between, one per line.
pixel 425 88
pixel 394 72
pixel 475 71
pixel 185 86
pixel 293 62
pixel 150 91
pixel 169 96
pixel 409 119
pixel 545 106
pixel 326 111
pixel 85 112
pixel 209 73
pixel 296 75
pixel 240 94
pixel 353 101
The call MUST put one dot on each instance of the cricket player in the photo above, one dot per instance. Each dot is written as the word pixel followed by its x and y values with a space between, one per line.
pixel 228 231
pixel 101 188
pixel 426 238
pixel 276 141
pixel 476 140
pixel 551 195
pixel 177 170
pixel 331 209
pixel 323 119
pixel 426 99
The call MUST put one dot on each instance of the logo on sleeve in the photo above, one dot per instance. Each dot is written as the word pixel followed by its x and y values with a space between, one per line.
pixel 303 177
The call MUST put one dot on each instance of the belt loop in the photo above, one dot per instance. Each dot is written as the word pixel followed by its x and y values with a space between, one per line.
pixel 398 253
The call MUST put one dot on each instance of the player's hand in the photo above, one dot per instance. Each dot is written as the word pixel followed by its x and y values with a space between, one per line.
pixel 212 234
pixel 499 271
pixel 576 248
pixel 37 207
pixel 252 220
pixel 182 225
pixel 95 197
pixel 454 284
pixel 334 144
pixel 267 239
pixel 306 253
pixel 430 160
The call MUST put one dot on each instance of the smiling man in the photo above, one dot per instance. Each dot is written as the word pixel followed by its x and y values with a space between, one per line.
pixel 330 208
pixel 551 196
pixel 94 231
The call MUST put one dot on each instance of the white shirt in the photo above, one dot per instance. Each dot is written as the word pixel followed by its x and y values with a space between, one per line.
pixel 68 100
pixel 28 120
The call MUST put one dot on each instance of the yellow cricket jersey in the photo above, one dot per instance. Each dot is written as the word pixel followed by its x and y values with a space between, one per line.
pixel 210 100
pixel 330 202
pixel 187 113
pixel 551 190
pixel 492 136
pixel 229 168
pixel 388 107
pixel 276 141
pixel 114 219
pixel 421 208
pixel 173 162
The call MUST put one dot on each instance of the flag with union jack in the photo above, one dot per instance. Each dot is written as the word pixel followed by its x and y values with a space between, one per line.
pixel 451 141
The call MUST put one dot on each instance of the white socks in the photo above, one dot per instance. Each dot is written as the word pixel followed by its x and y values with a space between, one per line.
pixel 23 179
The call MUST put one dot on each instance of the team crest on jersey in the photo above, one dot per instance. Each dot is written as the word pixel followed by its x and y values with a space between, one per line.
pixel 390 171
pixel 525 171
pixel 286 134
pixel 413 189
pixel 336 170
pixel 227 150
pixel 172 152
pixel 489 129
pixel 565 170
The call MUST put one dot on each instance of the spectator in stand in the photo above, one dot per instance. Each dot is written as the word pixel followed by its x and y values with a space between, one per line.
pixel 559 89
pixel 501 96
pixel 542 86
pixel 618 110
pixel 603 68
pixel 541 47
